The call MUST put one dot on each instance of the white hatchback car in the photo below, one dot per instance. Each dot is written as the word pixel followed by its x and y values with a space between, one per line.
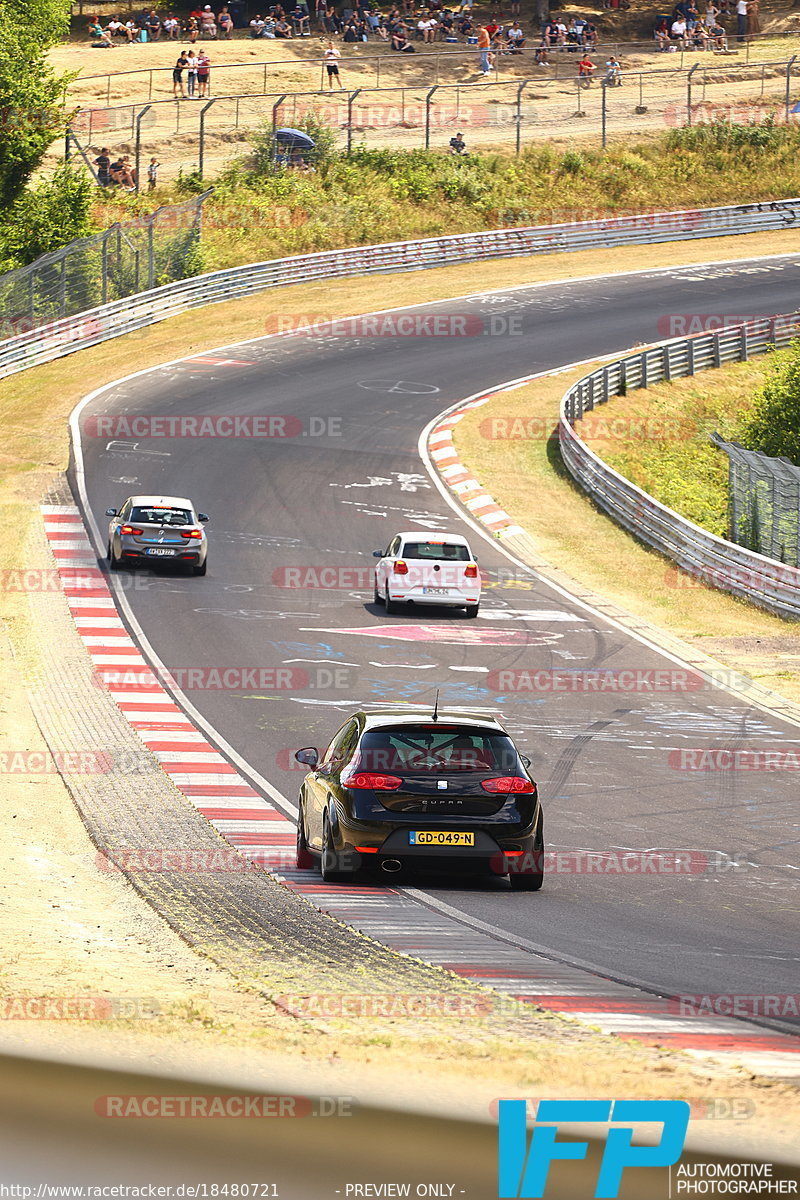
pixel 423 568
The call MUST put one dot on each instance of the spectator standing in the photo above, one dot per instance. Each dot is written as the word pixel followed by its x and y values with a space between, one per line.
pixel 177 74
pixel 753 21
pixel 332 56
pixel 191 74
pixel 741 19
pixel 152 174
pixel 203 73
pixel 484 50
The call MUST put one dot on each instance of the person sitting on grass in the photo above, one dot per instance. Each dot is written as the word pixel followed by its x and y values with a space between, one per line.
pixel 282 28
pixel 465 26
pixel 542 57
pixel 172 27
pixel 117 29
pixel 661 34
pixel 457 144
pixel 613 76
pixel 100 36
pixel 515 38
pixel 586 70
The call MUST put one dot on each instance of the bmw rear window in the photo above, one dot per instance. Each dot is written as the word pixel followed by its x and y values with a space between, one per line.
pixel 161 516
pixel 452 551
pixel 414 750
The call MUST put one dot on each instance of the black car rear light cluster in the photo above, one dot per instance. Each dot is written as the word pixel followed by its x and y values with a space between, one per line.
pixel 507 784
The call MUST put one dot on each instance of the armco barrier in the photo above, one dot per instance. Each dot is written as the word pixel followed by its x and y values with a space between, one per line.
pixel 135 312
pixel 764 581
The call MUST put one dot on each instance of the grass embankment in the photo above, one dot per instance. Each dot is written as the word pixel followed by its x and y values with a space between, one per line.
pixel 678 465
pixel 392 195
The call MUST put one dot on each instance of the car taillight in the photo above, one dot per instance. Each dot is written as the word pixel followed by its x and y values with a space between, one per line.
pixel 400 567
pixel 130 529
pixel 471 571
pixel 371 779
pixel 507 784
pixel 195 533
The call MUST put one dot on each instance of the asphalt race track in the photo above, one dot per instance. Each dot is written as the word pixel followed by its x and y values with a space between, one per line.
pixel 347 479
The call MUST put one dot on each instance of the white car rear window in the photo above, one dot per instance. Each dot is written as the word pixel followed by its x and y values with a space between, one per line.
pixel 446 551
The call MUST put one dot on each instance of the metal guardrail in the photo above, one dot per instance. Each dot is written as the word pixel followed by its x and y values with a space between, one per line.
pixel 146 308
pixel 764 581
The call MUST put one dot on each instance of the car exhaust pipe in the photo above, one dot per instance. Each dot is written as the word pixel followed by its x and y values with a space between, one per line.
pixel 391 866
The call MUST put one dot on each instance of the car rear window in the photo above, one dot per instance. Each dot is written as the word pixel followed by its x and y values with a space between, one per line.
pixel 162 516
pixel 412 750
pixel 452 551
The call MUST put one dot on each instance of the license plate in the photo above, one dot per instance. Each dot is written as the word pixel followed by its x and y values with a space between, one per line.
pixel 163 553
pixel 441 839
pixel 436 591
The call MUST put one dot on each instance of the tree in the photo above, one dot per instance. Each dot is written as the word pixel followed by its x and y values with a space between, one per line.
pixel 46 217
pixel 774 424
pixel 31 95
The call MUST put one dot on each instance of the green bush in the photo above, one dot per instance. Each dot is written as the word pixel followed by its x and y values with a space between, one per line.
pixel 774 425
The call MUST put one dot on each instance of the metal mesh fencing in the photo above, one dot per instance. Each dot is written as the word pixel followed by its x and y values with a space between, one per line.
pixel 123 260
pixel 763 502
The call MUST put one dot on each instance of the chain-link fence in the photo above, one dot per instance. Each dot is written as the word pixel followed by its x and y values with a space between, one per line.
pixel 763 502
pixel 124 259
pixel 511 112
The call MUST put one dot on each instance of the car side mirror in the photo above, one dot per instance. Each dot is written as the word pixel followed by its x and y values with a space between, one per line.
pixel 202 518
pixel 377 554
pixel 308 756
pixel 111 512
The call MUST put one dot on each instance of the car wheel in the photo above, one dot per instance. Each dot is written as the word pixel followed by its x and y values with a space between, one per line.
pixel 330 864
pixel 378 596
pixel 392 606
pixel 113 561
pixel 472 610
pixel 304 859
pixel 201 570
pixel 531 881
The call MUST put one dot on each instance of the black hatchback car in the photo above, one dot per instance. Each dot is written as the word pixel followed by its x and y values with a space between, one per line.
pixel 399 789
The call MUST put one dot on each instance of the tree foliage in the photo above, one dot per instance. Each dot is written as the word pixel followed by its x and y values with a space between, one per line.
pixel 31 95
pixel 45 217
pixel 774 426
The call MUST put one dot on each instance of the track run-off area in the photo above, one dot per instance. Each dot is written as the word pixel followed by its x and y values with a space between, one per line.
pixel 281 641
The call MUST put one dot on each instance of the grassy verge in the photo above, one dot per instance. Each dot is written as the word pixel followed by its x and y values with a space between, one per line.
pixel 679 465
pixel 391 195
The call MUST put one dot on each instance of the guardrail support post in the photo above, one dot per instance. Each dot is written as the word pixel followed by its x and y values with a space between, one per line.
pixel 743 349
pixel 350 98
pixel 789 66
pixel 520 90
pixel 644 370
pixel 689 93
pixel 201 153
pixel 428 117
pixel 717 351
pixel 139 116
pixel 666 365
pixel 690 355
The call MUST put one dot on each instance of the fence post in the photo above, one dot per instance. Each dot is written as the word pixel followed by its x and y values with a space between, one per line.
pixel 789 66
pixel 275 108
pixel 603 113
pixel 350 98
pixel 689 93
pixel 151 256
pixel 139 116
pixel 150 86
pixel 202 151
pixel 428 117
pixel 264 88
pixel 520 90
pixel 67 143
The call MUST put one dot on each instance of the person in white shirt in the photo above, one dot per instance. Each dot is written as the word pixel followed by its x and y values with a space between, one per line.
pixel 427 27
pixel 332 56
pixel 741 20
pixel 191 74
pixel 678 31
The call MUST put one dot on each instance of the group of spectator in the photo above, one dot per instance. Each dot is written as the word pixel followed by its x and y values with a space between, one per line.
pixel 121 171
pixel 198 74
pixel 686 29
pixel 150 26
pixel 279 23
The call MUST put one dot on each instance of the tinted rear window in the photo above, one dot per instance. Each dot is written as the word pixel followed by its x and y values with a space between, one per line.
pixel 411 750
pixel 450 551
pixel 162 516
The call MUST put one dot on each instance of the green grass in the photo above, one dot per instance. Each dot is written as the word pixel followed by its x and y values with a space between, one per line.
pixel 393 195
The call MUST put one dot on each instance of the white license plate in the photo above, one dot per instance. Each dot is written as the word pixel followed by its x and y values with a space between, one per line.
pixel 163 553
pixel 436 591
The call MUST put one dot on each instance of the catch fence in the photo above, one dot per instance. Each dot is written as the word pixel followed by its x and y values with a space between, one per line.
pixel 763 502
pixel 122 261
pixel 204 135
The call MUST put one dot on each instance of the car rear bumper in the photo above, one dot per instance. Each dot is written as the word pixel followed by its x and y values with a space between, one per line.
pixel 491 852
pixel 455 599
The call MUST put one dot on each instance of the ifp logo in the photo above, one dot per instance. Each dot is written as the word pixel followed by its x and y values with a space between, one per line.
pixel 523 1169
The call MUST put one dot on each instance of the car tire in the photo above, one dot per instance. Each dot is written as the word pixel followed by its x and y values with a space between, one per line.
pixel 200 570
pixel 378 596
pixel 329 870
pixel 304 860
pixel 113 561
pixel 530 881
pixel 472 610
pixel 392 606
